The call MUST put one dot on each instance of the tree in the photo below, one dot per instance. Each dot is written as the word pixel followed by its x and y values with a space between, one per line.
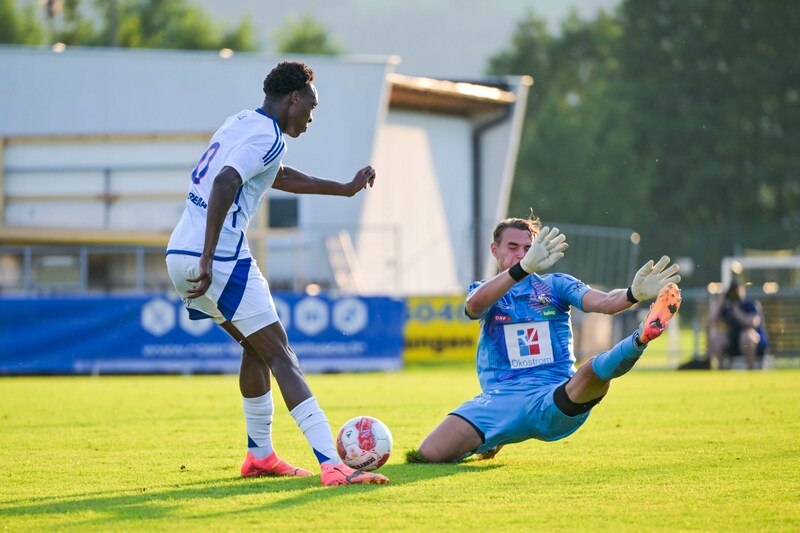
pixel 576 143
pixel 242 37
pixel 19 26
pixel 305 36
pixel 126 23
pixel 680 119
pixel 715 86
pixel 176 24
pixel 74 29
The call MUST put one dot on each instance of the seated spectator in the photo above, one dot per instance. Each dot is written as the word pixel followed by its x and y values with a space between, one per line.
pixel 743 332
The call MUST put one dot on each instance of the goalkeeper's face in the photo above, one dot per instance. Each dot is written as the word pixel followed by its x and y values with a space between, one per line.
pixel 513 245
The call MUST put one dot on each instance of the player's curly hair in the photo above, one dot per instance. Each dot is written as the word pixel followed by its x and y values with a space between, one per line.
pixel 288 76
pixel 532 225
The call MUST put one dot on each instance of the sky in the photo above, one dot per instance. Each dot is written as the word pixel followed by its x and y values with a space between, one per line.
pixel 436 38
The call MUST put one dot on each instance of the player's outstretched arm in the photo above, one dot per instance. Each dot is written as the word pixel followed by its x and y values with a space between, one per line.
pixel 649 280
pixel 646 284
pixel 546 249
pixel 292 180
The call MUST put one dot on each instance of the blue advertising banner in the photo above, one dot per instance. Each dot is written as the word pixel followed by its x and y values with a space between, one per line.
pixel 153 334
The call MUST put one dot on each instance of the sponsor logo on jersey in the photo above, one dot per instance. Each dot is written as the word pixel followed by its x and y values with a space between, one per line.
pixel 549 312
pixel 528 344
pixel 502 318
pixel 528 341
pixel 197 200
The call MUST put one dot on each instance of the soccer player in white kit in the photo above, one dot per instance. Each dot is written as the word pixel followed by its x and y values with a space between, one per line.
pixel 209 262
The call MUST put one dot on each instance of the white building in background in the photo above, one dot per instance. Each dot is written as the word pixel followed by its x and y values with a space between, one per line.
pixel 97 147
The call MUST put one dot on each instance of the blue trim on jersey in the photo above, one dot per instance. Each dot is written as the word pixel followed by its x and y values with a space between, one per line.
pixel 262 112
pixel 236 203
pixel 277 146
pixel 274 152
pixel 234 257
pixel 194 314
pixel 233 292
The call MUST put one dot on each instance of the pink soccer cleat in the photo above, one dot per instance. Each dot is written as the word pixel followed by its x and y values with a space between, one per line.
pixel 342 474
pixel 661 312
pixel 272 465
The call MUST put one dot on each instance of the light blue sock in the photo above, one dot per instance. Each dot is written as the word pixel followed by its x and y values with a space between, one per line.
pixel 618 360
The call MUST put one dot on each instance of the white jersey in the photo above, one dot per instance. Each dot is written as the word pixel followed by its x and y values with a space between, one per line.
pixel 251 142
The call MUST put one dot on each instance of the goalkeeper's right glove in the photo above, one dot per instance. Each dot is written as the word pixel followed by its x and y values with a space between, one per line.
pixel 546 249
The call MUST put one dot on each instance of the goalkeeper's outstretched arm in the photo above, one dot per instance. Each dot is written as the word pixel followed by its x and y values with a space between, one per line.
pixel 545 250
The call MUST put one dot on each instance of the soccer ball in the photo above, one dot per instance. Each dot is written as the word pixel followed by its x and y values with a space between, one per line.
pixel 364 443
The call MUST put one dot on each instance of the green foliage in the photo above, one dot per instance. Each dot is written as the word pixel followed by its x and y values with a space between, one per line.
pixel 305 35
pixel 19 26
pixel 174 24
pixel 166 25
pixel 680 119
pixel 242 37
pixel 74 29
pixel 664 451
pixel 716 87
pixel 575 149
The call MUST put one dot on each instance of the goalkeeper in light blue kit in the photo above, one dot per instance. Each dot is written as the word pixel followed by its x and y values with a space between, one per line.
pixel 526 368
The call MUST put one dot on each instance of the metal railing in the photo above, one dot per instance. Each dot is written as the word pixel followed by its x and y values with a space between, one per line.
pixel 81 269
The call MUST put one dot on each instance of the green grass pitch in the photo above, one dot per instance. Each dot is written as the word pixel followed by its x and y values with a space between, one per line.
pixel 665 451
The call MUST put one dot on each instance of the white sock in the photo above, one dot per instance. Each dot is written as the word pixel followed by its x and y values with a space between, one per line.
pixel 314 425
pixel 258 418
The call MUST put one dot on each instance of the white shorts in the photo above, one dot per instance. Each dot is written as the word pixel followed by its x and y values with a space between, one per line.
pixel 238 292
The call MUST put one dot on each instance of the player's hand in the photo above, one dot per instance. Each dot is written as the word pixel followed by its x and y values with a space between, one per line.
pixel 203 280
pixel 364 178
pixel 651 277
pixel 547 248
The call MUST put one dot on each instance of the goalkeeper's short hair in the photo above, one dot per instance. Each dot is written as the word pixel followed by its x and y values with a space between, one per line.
pixel 532 225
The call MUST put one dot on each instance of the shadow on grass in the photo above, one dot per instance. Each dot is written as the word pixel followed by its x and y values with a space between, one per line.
pixel 166 501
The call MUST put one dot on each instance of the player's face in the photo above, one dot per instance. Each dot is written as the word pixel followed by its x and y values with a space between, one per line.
pixel 303 103
pixel 514 244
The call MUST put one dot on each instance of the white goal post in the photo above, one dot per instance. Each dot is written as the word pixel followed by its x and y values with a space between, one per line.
pixel 735 265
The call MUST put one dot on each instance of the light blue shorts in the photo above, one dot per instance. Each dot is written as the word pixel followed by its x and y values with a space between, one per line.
pixel 517 412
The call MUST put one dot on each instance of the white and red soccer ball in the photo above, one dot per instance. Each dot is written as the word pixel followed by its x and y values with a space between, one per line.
pixel 364 443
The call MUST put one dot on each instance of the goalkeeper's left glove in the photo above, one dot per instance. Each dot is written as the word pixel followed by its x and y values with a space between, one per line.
pixel 651 278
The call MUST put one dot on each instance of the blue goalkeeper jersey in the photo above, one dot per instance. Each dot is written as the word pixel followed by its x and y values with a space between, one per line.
pixel 527 334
